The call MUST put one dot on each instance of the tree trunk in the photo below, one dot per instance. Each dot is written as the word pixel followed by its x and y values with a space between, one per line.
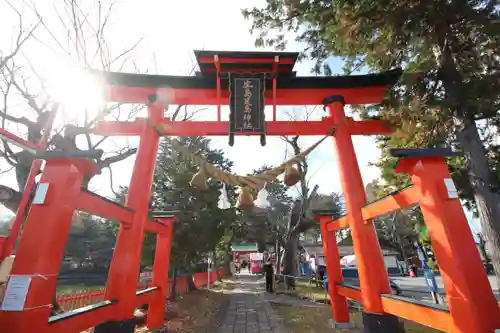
pixel 290 265
pixel 10 198
pixel 277 251
pixel 482 249
pixel 173 294
pixel 485 188
pixel 227 263
pixel 215 265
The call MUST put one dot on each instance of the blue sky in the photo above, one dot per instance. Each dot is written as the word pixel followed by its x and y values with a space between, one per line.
pixel 170 30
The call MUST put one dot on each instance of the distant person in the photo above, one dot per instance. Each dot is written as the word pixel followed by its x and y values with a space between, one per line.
pixel 269 271
pixel 320 268
pixel 237 265
pixel 413 270
pixel 312 265
pixel 402 269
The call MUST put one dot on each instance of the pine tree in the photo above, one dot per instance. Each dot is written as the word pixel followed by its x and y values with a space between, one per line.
pixel 202 225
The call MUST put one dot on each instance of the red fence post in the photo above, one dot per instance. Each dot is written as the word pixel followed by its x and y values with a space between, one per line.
pixel 373 277
pixel 472 303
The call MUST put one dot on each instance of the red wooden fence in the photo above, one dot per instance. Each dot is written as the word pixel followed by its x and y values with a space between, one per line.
pixel 76 299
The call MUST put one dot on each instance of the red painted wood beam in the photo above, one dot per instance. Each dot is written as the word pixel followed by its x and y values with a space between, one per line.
pixel 14 139
pixel 216 128
pixel 284 60
pixel 350 293
pixel 194 96
pixel 400 200
pixel 369 127
pixel 158 226
pixel 97 205
pixel 338 224
pixel 249 70
pixel 145 298
pixel 83 321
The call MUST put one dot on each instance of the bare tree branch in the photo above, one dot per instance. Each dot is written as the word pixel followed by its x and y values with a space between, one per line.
pixel 111 182
pixel 20 40
pixel 78 33
pixel 7 170
pixel 117 158
pixel 8 155
pixel 30 99
pixel 10 198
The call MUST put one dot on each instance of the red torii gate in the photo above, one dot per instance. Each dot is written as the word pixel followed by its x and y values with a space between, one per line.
pixel 473 307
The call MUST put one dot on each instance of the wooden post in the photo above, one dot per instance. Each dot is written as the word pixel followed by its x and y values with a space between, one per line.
pixel 124 270
pixel 340 311
pixel 472 303
pixel 373 276
pixel 156 311
pixel 41 248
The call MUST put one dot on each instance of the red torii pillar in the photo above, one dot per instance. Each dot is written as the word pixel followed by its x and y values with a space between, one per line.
pixel 161 265
pixel 124 270
pixel 340 310
pixel 373 277
pixel 472 304
pixel 41 248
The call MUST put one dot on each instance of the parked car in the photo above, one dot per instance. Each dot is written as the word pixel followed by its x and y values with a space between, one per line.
pixel 351 278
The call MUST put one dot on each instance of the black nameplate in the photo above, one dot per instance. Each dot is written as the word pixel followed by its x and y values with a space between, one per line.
pixel 246 103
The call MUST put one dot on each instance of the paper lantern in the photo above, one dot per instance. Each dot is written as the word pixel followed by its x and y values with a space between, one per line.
pixel 245 199
pixel 292 176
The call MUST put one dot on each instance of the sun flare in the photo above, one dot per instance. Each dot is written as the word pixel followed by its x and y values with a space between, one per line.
pixel 76 91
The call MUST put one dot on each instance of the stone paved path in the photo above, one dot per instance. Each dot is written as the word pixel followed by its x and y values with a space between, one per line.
pixel 248 310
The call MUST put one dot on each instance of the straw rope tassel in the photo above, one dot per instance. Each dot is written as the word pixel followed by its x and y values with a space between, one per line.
pixel 255 181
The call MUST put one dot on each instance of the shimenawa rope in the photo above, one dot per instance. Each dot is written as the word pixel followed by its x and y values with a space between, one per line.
pixel 255 181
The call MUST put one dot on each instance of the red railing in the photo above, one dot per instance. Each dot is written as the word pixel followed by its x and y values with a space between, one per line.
pixel 77 299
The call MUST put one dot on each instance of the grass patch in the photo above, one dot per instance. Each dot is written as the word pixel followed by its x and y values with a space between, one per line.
pixel 304 290
pixel 192 312
pixel 224 284
pixel 195 311
pixel 316 319
pixel 298 319
pixel 312 320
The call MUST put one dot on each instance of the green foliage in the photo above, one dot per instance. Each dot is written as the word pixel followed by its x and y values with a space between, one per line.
pixel 202 226
pixel 400 229
pixel 449 93
pixel 92 242
pixel 448 49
